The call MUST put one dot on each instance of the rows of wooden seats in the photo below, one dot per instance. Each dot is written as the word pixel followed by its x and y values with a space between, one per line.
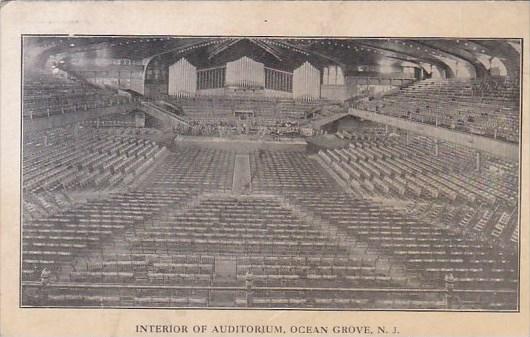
pixel 484 222
pixel 44 203
pixel 92 160
pixel 55 240
pixel 55 141
pixel 468 91
pixel 369 172
pixel 46 107
pixel 456 104
pixel 262 235
pixel 315 271
pixel 121 297
pixel 451 156
pixel 366 160
pixel 35 140
pixel 365 133
pixel 232 226
pixel 141 133
pixel 197 168
pixel 502 184
pixel 168 268
pixel 496 183
pixel 48 96
pixel 341 299
pixel 263 227
pixel 51 87
pixel 287 170
pixel 368 169
pixel 134 268
pixel 489 117
pixel 506 227
pixel 114 122
pixel 138 297
pixel 419 246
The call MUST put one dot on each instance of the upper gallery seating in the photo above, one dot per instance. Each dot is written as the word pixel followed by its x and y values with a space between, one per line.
pixel 46 95
pixel 485 107
pixel 444 187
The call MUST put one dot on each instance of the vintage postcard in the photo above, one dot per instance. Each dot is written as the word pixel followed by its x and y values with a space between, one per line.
pixel 264 168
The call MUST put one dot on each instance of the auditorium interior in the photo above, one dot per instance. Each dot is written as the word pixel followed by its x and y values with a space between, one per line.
pixel 270 173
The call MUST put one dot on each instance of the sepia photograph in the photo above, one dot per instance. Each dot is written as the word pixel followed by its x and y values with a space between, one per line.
pixel 257 172
pixel 259 168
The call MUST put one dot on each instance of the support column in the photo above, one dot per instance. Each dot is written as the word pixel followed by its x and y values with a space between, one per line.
pixel 407 138
pixel 436 147
pixel 477 161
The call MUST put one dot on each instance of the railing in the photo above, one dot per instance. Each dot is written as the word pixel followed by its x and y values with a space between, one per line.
pixel 447 295
pixel 158 112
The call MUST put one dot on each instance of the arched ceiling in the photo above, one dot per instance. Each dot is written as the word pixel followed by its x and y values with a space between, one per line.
pixel 287 53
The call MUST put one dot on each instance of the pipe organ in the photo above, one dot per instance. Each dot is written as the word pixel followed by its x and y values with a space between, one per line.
pixel 302 84
pixel 245 73
pixel 278 80
pixel 211 78
pixel 182 79
pixel 306 82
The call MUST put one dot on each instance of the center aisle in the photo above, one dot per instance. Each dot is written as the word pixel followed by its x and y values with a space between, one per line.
pixel 242 177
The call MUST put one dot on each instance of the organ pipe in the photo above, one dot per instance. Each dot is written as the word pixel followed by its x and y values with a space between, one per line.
pixel 306 82
pixel 245 73
pixel 182 79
